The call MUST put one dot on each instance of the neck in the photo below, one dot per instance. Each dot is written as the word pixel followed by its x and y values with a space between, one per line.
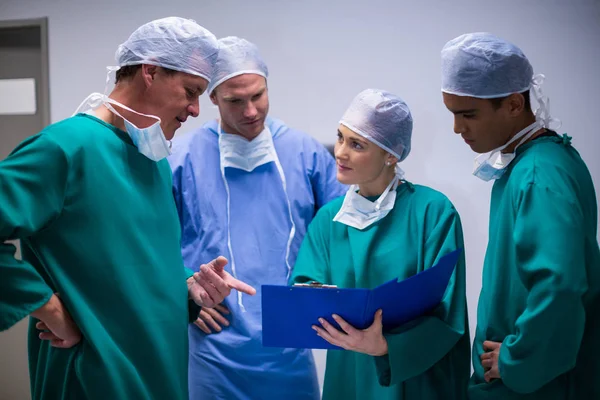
pixel 527 120
pixel 125 95
pixel 378 185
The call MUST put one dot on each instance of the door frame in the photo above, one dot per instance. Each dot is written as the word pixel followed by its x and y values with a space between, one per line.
pixel 42 23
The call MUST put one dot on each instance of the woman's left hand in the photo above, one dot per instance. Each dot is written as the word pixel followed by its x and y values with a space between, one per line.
pixel 368 341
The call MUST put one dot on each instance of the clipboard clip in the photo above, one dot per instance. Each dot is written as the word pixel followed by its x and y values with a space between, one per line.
pixel 314 284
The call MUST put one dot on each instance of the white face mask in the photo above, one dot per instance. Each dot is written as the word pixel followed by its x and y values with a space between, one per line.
pixel 149 141
pixel 359 213
pixel 492 165
pixel 236 151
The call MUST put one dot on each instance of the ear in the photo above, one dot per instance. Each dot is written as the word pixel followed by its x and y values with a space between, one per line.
pixel 390 160
pixel 149 74
pixel 213 97
pixel 515 103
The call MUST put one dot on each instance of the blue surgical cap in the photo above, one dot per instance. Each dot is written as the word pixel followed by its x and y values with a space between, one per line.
pixel 237 56
pixel 175 43
pixel 484 66
pixel 382 118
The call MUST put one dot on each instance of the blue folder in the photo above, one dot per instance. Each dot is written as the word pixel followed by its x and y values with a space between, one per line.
pixel 289 312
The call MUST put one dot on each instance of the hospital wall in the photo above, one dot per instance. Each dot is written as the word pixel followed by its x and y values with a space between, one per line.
pixel 322 52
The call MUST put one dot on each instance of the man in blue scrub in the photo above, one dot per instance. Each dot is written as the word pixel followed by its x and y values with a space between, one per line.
pixel 247 186
pixel 538 320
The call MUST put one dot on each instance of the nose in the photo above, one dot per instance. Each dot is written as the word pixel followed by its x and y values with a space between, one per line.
pixel 339 150
pixel 194 108
pixel 250 111
pixel 459 126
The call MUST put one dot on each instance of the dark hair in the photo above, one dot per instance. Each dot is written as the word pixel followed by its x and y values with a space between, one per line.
pixel 497 102
pixel 129 71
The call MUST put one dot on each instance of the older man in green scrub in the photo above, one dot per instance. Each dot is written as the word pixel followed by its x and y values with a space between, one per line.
pixel 90 199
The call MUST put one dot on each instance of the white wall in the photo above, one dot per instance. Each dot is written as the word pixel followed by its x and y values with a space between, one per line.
pixel 322 52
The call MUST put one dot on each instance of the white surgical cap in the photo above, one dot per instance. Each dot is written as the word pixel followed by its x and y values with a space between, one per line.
pixel 484 66
pixel 175 43
pixel 237 56
pixel 382 118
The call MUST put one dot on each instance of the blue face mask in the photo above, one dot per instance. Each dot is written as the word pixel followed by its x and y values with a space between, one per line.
pixel 150 141
pixel 487 172
pixel 492 165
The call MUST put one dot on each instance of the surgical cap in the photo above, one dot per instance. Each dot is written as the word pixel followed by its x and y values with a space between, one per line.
pixel 175 43
pixel 382 118
pixel 484 66
pixel 237 56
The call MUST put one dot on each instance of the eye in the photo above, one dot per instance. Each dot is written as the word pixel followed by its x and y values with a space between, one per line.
pixel 256 97
pixel 357 145
pixel 340 138
pixel 468 116
pixel 235 101
pixel 189 92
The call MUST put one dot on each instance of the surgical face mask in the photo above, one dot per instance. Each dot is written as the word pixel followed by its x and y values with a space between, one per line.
pixel 492 165
pixel 150 141
pixel 359 213
pixel 237 152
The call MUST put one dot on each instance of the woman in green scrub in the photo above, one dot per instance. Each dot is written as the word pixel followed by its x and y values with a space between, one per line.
pixel 386 228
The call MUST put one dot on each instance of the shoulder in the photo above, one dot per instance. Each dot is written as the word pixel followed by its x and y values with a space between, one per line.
pixel 75 133
pixel 426 196
pixel 301 149
pixel 71 129
pixel 426 202
pixel 201 142
pixel 548 163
